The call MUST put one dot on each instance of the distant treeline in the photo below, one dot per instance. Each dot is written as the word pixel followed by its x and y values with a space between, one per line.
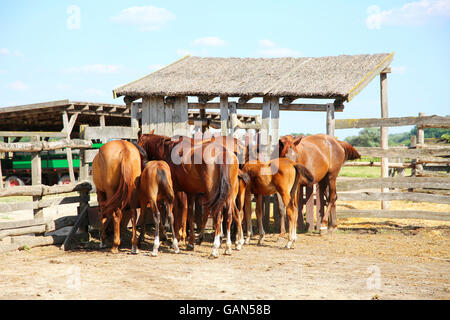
pixel 370 137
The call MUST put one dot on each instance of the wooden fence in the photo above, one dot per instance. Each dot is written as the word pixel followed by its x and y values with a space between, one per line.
pixel 51 196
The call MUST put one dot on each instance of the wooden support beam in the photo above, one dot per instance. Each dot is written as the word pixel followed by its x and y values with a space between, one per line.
pixel 257 106
pixel 68 131
pixel 168 117
pixel 275 124
pixel 224 115
pixel 159 115
pixel 180 116
pixel 134 109
pixel 330 120
pixel 234 123
pixel 146 118
pixel 384 133
pixel 265 129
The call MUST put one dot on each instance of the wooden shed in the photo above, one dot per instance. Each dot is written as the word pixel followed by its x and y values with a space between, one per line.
pixel 278 81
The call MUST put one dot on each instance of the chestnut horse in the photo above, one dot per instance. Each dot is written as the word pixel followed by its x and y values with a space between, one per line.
pixel 323 156
pixel 280 176
pixel 115 170
pixel 156 190
pixel 207 168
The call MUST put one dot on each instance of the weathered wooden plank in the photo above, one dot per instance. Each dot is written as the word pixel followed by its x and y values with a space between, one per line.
pixel 90 155
pixel 377 164
pixel 31 243
pixel 52 202
pixel 275 124
pixel 158 106
pixel 68 126
pixel 38 146
pixel 430 154
pixel 21 231
pixel 4 225
pixel 110 132
pixel 398 182
pixel 394 214
pixel 145 115
pixel 384 132
pixel 234 122
pixel 134 109
pixel 224 116
pixel 425 121
pixel 168 116
pixel 265 130
pixel 180 116
pixel 330 119
pixel 403 196
pixel 32 134
pixel 258 106
pixel 7 207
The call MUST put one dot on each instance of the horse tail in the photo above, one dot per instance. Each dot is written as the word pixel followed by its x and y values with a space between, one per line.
pixel 164 185
pixel 222 191
pixel 122 196
pixel 300 171
pixel 350 151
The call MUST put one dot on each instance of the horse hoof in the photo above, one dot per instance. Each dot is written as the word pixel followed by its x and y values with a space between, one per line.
pixel 323 231
pixel 177 250
pixel 114 250
pixel 239 247
pixel 283 235
pixel 134 250
pixel 213 256
pixel 190 247
pixel 154 254
pixel 228 252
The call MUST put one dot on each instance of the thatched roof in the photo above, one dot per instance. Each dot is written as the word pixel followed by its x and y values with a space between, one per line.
pixel 339 77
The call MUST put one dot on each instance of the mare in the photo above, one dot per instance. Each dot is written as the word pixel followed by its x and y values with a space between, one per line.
pixel 323 156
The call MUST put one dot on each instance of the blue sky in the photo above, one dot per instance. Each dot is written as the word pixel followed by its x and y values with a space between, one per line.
pixel 81 50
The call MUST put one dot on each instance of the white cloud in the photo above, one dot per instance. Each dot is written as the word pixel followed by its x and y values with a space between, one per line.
pixel 4 51
pixel 270 49
pixel 146 18
pixel 18 86
pixel 209 42
pixel 411 14
pixel 94 69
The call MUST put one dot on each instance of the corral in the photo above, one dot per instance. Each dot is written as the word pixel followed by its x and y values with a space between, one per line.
pixel 392 259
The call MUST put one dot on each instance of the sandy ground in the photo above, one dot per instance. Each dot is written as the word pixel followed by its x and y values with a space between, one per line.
pixel 364 259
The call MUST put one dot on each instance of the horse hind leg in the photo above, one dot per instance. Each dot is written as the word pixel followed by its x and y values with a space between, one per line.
pixel 228 249
pixel 216 244
pixel 331 204
pixel 259 200
pixel 117 217
pixel 169 212
pixel 156 218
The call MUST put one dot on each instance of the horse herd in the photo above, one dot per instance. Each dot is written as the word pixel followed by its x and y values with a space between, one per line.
pixel 169 175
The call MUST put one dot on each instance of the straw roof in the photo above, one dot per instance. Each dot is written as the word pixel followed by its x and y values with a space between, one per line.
pixel 324 77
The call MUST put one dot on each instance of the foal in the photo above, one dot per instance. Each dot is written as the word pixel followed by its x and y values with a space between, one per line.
pixel 281 176
pixel 155 190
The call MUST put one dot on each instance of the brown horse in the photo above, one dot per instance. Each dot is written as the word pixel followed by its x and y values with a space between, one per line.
pixel 207 168
pixel 115 170
pixel 155 191
pixel 281 176
pixel 323 156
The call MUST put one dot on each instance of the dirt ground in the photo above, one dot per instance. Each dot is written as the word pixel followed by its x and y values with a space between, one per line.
pixel 363 259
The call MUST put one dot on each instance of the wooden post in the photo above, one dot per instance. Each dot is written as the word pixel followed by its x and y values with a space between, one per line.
pixel 1 176
pixel 180 116
pixel 134 111
pixel 264 149
pixel 36 177
pixel 384 133
pixel 233 119
pixel 68 126
pixel 146 123
pixel 330 119
pixel 420 142
pixel 275 127
pixel 168 116
pixel 159 111
pixel 84 166
pixel 224 115
pixel 102 123
pixel 310 208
